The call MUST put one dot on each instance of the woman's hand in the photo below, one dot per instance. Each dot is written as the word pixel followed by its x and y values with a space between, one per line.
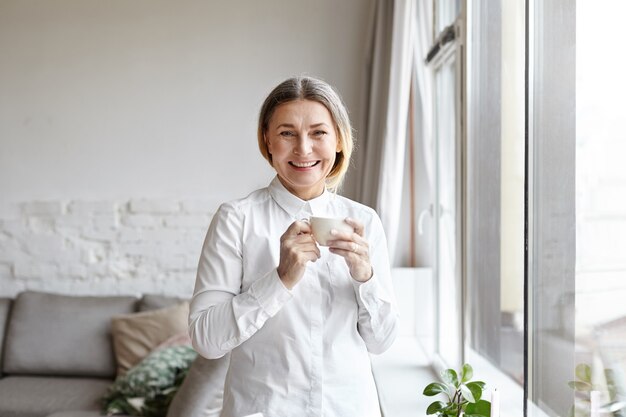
pixel 297 247
pixel 354 249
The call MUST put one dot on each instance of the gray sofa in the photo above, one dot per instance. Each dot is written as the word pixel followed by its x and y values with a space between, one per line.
pixel 57 359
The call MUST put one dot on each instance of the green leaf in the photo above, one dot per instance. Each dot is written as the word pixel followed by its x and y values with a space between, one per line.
pixel 480 408
pixel 435 407
pixel 435 388
pixel 583 372
pixel 477 389
pixel 467 393
pixel 481 384
pixel 466 373
pixel 579 386
pixel 451 410
pixel 449 376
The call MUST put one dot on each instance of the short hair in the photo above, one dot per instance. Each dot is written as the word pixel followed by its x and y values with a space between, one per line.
pixel 308 88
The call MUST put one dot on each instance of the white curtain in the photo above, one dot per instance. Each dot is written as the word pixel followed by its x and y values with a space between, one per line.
pixel 424 78
pixel 385 132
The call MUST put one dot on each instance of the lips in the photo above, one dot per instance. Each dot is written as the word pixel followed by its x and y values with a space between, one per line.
pixel 307 164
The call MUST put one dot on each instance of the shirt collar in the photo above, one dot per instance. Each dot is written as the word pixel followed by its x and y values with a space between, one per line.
pixel 295 205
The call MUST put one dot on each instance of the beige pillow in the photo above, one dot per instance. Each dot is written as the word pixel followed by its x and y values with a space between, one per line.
pixel 136 335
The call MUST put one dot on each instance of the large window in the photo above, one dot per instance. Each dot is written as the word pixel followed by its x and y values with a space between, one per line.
pixel 530 201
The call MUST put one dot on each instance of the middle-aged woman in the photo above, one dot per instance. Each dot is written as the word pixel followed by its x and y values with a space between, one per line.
pixel 299 319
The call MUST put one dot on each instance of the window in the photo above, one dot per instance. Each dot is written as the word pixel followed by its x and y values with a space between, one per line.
pixel 530 201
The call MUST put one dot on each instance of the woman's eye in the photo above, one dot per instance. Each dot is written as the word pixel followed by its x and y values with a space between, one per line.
pixel 286 134
pixel 319 133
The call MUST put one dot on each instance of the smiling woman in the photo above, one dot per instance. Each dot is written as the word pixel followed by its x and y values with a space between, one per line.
pixel 298 319
pixel 302 143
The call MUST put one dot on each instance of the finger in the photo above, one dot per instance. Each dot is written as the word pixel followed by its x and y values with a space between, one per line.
pixel 350 247
pixel 359 228
pixel 348 255
pixel 303 243
pixel 298 227
pixel 350 238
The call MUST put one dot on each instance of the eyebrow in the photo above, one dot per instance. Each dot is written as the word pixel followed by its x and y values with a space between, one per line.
pixel 289 125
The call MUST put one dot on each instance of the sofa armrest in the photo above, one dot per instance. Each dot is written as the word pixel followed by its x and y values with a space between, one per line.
pixel 5 310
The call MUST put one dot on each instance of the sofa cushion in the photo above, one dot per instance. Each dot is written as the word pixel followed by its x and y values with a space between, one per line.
pixel 52 334
pixel 5 308
pixel 81 414
pixel 156 301
pixel 136 335
pixel 30 396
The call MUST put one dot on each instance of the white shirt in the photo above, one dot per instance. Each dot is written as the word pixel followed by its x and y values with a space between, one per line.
pixel 302 352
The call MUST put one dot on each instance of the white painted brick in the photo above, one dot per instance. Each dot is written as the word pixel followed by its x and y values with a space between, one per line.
pixel 11 251
pixel 130 235
pixel 145 249
pixel 191 262
pixel 140 220
pixel 93 207
pixel 10 211
pixel 10 287
pixel 43 224
pixel 105 221
pixel 197 221
pixel 72 220
pixel 164 235
pixel 68 270
pixel 172 262
pixel 206 206
pixel 50 248
pixel 6 271
pixel 154 206
pixel 38 208
pixel 196 237
pixel 99 235
pixel 14 228
pixel 92 254
pixel 29 271
pixel 178 248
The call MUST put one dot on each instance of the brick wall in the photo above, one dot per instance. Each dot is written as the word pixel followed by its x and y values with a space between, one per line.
pixel 102 247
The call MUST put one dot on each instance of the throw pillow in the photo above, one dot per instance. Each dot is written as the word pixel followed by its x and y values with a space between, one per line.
pixel 136 335
pixel 148 388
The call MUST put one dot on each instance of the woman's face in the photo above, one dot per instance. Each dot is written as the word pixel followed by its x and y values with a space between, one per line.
pixel 302 140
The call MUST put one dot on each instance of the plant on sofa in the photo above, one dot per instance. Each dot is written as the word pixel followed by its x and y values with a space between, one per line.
pixel 461 394
pixel 148 388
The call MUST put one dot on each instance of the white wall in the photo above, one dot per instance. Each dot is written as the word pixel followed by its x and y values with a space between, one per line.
pixel 106 103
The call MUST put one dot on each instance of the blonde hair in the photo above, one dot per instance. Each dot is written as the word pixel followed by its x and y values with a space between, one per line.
pixel 308 88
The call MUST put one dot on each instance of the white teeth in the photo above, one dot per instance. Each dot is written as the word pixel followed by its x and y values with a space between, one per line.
pixel 303 164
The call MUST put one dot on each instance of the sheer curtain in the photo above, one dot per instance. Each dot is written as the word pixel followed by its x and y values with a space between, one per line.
pixel 424 81
pixel 384 133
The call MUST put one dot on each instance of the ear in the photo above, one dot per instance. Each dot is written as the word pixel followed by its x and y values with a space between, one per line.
pixel 268 144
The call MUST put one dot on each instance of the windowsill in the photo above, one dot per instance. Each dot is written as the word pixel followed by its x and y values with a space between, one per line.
pixel 401 374
pixel 404 370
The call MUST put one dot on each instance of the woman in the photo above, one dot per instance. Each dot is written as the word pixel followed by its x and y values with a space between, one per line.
pixel 298 319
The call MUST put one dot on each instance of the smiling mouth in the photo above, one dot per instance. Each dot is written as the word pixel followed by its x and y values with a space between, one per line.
pixel 303 164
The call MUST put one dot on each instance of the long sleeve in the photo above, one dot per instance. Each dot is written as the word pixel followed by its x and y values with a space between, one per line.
pixel 221 315
pixel 378 317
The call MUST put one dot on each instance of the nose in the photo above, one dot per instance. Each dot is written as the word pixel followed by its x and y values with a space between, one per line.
pixel 303 145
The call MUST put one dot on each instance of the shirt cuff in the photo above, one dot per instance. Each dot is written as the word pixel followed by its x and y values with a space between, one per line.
pixel 370 294
pixel 270 293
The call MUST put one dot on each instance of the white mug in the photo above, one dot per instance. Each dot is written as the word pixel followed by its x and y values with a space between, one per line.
pixel 322 226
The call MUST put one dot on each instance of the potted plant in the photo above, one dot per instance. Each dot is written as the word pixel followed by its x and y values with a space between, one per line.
pixel 462 396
